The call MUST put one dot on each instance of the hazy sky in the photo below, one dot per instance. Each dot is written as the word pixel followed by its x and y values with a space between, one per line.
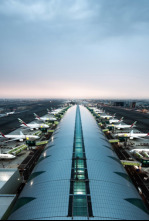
pixel 74 48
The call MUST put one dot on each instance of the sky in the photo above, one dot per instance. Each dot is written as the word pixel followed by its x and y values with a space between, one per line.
pixel 74 49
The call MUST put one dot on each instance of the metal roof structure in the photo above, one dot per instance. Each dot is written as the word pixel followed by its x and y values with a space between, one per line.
pixel 5 202
pixel 79 177
pixel 5 175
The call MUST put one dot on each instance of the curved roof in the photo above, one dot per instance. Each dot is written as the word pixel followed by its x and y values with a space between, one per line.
pixel 112 193
pixel 46 196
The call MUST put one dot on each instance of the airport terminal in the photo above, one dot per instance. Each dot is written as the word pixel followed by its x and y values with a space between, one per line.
pixel 74 110
pixel 75 162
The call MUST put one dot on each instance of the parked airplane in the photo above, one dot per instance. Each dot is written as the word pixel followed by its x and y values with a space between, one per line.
pixel 7 157
pixel 33 126
pixel 139 150
pixel 20 137
pixel 113 121
pixel 10 113
pixel 107 116
pixel 123 126
pixel 132 135
pixel 48 111
pixel 54 112
pixel 51 118
pixel 98 111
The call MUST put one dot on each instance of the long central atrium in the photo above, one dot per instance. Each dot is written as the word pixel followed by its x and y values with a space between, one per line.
pixel 79 177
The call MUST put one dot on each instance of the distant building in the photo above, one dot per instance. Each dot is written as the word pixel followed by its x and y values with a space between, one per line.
pixel 119 104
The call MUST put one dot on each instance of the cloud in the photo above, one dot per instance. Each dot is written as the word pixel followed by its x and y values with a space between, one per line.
pixel 30 10
pixel 102 43
pixel 102 17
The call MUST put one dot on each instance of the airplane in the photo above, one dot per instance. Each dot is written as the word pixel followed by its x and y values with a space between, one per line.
pixel 51 118
pixel 98 111
pixel 107 116
pixel 48 111
pixel 123 126
pixel 132 135
pixel 7 157
pixel 20 137
pixel 33 126
pixel 10 113
pixel 113 121
pixel 139 150
pixel 54 112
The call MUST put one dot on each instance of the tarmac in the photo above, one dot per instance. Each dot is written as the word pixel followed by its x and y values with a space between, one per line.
pixel 130 116
pixel 11 123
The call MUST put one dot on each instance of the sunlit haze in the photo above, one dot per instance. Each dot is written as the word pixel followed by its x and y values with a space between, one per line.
pixel 74 48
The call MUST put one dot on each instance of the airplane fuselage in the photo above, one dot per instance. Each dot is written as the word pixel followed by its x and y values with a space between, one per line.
pixel 7 157
pixel 35 126
pixel 21 137
pixel 114 121
pixel 106 117
pixel 120 127
pixel 44 119
pixel 132 136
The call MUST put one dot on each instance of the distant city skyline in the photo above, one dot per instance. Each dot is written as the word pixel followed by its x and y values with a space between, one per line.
pixel 74 49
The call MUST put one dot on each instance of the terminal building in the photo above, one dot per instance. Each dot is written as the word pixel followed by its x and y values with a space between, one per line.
pixel 79 177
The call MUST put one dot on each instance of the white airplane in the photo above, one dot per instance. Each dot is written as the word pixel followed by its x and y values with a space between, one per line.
pixel 10 113
pixel 123 126
pixel 7 157
pixel 54 112
pixel 20 137
pixel 51 118
pixel 48 111
pixel 132 135
pixel 33 126
pixel 98 111
pixel 139 150
pixel 113 121
pixel 107 116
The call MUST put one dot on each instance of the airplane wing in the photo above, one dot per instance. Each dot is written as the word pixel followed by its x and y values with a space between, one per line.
pixel 141 138
pixel 10 140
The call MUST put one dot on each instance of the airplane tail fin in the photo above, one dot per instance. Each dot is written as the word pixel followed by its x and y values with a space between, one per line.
pixel 131 132
pixel 134 124
pixel 121 119
pixel 22 122
pixel 2 135
pixel 21 133
pixel 36 116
